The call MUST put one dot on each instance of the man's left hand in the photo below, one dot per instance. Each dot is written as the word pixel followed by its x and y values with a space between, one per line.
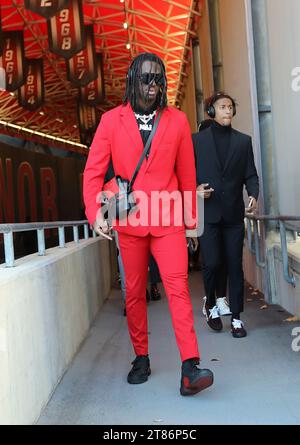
pixel 252 204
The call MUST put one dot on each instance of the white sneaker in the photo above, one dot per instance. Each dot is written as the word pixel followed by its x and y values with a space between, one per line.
pixel 237 324
pixel 213 318
pixel 213 313
pixel 237 329
pixel 223 306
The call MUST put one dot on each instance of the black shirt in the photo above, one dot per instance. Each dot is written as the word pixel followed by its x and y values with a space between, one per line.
pixel 145 121
pixel 222 135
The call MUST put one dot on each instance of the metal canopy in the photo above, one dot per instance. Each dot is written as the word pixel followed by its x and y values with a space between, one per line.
pixel 122 30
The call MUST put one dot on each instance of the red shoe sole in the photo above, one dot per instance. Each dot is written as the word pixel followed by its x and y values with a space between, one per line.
pixel 203 383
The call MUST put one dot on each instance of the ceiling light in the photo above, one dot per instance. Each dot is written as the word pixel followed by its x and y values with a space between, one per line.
pixel 38 133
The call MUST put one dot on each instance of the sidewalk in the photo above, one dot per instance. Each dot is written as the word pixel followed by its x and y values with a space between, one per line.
pixel 257 378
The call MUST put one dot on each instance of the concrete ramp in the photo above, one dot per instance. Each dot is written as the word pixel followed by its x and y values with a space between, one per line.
pixel 257 378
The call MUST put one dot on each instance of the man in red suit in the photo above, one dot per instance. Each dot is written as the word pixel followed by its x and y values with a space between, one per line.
pixel 169 168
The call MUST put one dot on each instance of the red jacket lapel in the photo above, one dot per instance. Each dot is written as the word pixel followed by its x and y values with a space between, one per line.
pixel 129 121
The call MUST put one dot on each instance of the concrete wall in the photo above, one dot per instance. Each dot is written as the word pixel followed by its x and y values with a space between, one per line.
pixel 235 60
pixel 47 307
pixel 188 105
pixel 205 52
pixel 277 49
pixel 252 273
pixel 283 23
pixel 288 296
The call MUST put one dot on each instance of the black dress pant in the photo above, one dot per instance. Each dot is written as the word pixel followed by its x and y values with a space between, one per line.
pixel 222 275
pixel 154 271
pixel 222 241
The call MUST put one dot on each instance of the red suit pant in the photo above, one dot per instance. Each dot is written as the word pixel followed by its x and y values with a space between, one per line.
pixel 170 253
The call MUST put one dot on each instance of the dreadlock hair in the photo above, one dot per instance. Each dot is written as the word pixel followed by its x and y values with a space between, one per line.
pixel 132 80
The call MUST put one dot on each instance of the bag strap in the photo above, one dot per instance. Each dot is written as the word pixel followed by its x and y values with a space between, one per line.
pixel 145 151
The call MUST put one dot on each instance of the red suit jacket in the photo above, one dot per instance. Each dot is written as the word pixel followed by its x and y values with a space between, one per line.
pixel 170 166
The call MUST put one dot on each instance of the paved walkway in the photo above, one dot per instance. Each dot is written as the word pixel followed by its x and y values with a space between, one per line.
pixel 257 378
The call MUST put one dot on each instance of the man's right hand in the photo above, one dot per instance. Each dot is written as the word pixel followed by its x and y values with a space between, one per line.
pixel 204 191
pixel 101 227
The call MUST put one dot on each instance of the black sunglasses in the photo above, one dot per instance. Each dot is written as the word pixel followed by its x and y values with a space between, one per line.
pixel 148 78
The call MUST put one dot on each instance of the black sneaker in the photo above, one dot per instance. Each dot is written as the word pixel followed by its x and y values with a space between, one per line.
pixel 155 294
pixel 194 379
pixel 212 317
pixel 140 370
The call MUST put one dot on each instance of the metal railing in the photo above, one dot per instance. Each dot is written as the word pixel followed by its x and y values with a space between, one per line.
pixel 256 249
pixel 9 229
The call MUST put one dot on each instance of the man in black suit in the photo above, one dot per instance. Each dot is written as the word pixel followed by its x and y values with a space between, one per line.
pixel 224 164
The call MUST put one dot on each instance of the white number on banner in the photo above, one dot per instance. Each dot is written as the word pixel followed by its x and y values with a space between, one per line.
pixel 66 43
pixel 81 64
pixel 46 3
pixel 65 29
pixel 9 55
pixel 64 15
pixel 92 95
pixel 7 43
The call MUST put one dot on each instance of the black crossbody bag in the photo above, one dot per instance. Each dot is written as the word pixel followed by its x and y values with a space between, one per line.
pixel 119 205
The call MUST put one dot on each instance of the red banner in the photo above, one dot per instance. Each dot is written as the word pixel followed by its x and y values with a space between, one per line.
pixel 66 31
pixel 13 59
pixel 31 94
pixel 88 122
pixel 87 138
pixel 82 67
pixel 87 118
pixel 46 8
pixel 94 93
pixel 1 36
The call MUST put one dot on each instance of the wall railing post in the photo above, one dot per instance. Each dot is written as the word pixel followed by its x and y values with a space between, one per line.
pixel 284 253
pixel 9 249
pixel 61 237
pixel 86 231
pixel 41 242
pixel 75 234
pixel 259 262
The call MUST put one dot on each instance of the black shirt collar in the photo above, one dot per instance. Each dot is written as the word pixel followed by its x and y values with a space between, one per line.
pixel 220 128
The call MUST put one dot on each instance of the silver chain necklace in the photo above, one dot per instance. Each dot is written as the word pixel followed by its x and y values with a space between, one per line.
pixel 145 118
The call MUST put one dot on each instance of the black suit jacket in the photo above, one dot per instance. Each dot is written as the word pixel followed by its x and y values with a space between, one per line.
pixel 227 199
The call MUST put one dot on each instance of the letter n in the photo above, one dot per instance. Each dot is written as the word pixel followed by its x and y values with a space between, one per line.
pixel 7 214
